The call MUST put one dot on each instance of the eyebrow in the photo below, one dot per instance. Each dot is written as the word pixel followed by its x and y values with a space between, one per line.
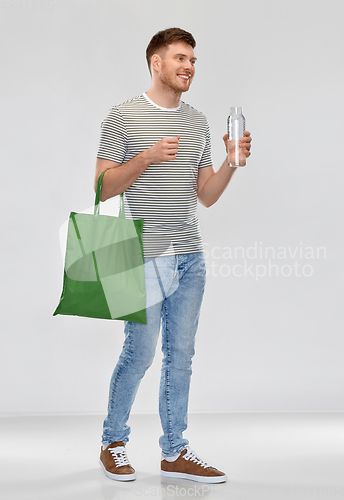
pixel 184 55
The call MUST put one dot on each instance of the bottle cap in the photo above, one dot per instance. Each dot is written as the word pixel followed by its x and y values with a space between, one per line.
pixel 235 110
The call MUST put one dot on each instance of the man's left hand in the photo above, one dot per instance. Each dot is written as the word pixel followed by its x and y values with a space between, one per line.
pixel 244 143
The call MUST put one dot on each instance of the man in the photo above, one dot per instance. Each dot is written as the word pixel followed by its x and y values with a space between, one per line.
pixel 156 149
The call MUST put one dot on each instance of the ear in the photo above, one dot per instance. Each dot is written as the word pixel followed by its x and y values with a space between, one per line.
pixel 156 62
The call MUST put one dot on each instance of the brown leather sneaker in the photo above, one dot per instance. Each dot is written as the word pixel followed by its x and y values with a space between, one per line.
pixel 189 466
pixel 115 462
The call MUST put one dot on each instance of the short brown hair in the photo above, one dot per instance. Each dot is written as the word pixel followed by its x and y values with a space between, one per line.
pixel 164 38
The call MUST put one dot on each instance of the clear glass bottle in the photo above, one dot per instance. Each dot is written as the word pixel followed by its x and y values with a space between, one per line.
pixel 236 129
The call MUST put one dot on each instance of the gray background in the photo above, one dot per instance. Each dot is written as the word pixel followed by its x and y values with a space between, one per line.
pixel 264 343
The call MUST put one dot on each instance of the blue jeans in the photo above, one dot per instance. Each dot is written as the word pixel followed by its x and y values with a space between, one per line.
pixel 174 291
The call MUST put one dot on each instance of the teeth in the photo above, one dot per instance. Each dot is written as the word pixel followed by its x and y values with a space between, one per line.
pixel 185 77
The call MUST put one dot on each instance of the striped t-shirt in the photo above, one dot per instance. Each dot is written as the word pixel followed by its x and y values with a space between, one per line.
pixel 165 194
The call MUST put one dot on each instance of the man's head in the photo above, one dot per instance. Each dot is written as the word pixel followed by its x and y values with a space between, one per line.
pixel 161 40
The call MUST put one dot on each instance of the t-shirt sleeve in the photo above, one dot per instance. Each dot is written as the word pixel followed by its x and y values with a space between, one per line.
pixel 113 137
pixel 206 159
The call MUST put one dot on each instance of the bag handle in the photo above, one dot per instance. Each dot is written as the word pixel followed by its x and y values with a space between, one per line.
pixel 97 200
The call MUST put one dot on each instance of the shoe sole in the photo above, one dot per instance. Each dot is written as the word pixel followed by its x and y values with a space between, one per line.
pixel 192 477
pixel 118 477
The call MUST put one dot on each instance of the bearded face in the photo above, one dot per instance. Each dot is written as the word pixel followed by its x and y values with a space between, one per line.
pixel 176 67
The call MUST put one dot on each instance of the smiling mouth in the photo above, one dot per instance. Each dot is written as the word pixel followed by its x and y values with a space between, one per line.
pixel 184 77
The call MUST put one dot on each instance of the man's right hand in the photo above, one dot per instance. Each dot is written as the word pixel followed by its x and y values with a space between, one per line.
pixel 164 150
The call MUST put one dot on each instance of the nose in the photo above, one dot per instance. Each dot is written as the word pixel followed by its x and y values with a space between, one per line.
pixel 189 66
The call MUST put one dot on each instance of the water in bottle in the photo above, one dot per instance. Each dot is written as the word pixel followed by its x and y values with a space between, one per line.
pixel 236 128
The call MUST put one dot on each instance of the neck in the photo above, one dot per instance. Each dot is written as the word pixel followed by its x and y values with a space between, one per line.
pixel 164 97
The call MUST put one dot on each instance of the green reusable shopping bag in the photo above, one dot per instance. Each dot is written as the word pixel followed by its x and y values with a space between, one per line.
pixel 104 266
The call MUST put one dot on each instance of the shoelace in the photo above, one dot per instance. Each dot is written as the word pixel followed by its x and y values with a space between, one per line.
pixel 192 456
pixel 119 455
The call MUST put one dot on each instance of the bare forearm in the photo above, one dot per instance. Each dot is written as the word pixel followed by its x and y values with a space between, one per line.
pixel 213 188
pixel 117 179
